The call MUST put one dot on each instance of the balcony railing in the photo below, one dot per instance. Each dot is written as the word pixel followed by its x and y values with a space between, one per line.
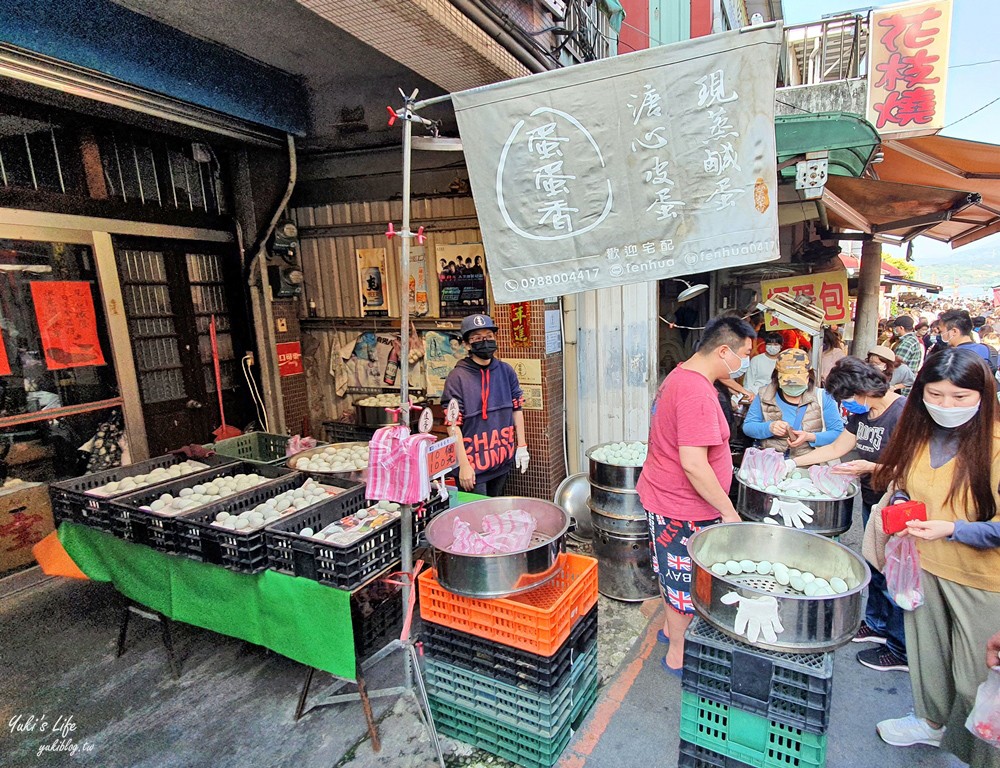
pixel 825 51
pixel 590 31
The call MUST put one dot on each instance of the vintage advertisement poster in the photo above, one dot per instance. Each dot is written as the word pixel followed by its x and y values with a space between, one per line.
pixel 372 277
pixel 520 324
pixel 290 358
pixel 627 169
pixel 67 324
pixel 829 289
pixel 908 68
pixel 462 279
pixel 419 306
pixel 441 352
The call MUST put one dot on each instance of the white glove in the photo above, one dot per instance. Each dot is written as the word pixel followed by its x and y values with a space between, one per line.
pixel 521 458
pixel 794 514
pixel 755 616
pixel 790 466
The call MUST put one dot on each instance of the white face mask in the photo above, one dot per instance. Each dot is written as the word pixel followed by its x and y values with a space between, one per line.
pixel 951 417
pixel 772 349
pixel 743 367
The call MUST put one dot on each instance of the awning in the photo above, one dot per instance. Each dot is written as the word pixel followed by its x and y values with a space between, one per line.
pixel 905 281
pixel 849 139
pixel 853 262
pixel 955 164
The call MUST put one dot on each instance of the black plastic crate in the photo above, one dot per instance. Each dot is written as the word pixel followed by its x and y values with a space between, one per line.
pixel 160 531
pixel 376 615
pixel 791 688
pixel 426 511
pixel 70 500
pixel 508 664
pixel 342 432
pixel 697 756
pixel 241 551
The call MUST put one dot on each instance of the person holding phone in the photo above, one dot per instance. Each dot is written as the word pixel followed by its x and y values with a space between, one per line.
pixel 873 411
pixel 950 461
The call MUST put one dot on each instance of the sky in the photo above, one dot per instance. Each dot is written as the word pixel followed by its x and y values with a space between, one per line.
pixel 973 72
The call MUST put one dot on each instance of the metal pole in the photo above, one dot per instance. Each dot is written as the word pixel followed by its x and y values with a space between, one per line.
pixel 406 511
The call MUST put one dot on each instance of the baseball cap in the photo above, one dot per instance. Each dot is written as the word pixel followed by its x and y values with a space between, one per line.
pixel 792 367
pixel 477 323
pixel 903 321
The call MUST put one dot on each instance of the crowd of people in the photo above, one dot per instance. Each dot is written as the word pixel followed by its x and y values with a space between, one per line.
pixel 915 417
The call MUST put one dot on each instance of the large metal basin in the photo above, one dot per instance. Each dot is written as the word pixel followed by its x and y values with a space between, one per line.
pixel 810 624
pixel 831 517
pixel 504 574
pixel 572 495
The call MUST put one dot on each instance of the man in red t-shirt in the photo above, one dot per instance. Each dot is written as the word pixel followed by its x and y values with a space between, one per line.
pixel 684 485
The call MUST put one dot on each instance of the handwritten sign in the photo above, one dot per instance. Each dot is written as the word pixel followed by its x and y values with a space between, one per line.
pixel 520 324
pixel 67 324
pixel 908 68
pixel 442 457
pixel 829 289
pixel 290 358
pixel 627 169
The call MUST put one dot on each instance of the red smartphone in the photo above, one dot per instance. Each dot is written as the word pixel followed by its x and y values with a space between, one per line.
pixel 895 516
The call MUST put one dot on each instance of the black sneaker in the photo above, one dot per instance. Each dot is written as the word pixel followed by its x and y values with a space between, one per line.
pixel 883 660
pixel 868 635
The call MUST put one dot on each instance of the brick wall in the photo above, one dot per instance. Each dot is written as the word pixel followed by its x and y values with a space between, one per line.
pixel 294 395
pixel 543 428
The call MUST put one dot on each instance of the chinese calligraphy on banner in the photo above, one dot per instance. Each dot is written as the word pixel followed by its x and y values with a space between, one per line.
pixel 67 324
pixel 520 324
pixel 290 358
pixel 908 67
pixel 828 288
pixel 633 168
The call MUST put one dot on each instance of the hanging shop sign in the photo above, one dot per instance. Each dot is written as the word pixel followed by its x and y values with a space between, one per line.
pixel 372 282
pixel 290 358
pixel 520 324
pixel 828 289
pixel 461 279
pixel 628 169
pixel 908 68
pixel 67 324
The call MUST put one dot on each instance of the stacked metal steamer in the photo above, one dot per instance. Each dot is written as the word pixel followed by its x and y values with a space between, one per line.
pixel 758 663
pixel 509 640
pixel 620 531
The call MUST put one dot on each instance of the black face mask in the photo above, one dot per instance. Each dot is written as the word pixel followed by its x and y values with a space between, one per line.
pixel 484 349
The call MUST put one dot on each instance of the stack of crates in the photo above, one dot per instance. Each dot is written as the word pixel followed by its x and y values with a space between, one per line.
pixel 744 706
pixel 513 676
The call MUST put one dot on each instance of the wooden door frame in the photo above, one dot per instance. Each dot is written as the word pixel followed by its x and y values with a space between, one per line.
pixel 96 233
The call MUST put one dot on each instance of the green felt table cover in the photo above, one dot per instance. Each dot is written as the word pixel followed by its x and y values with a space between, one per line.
pixel 298 618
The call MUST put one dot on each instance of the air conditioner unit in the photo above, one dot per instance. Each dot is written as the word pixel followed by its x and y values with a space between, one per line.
pixel 557 7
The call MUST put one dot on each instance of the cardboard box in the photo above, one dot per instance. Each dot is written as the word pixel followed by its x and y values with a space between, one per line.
pixel 25 519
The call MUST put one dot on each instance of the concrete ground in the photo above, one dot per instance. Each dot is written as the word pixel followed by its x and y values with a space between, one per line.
pixel 233 704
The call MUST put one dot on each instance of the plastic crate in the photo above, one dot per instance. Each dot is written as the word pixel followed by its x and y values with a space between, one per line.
pixel 426 511
pixel 792 688
pixel 159 531
pixel 70 500
pixel 695 756
pixel 524 749
pixel 245 552
pixel 256 447
pixel 505 664
pixel 342 432
pixel 376 615
pixel 747 737
pixel 538 621
pixel 540 713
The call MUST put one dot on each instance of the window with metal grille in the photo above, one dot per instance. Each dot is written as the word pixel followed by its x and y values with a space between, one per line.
pixel 38 153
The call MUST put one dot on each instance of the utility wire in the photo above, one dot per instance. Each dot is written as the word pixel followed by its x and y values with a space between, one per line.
pixel 972 113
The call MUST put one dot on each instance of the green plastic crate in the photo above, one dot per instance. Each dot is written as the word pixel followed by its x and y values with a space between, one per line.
pixel 525 749
pixel 258 447
pixel 747 737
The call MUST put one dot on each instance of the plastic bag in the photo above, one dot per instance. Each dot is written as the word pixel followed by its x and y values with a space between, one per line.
pixel 984 719
pixel 762 468
pixel 902 572
pixel 825 480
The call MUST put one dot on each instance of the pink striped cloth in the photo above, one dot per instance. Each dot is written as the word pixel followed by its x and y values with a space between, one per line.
pixel 504 532
pixel 397 466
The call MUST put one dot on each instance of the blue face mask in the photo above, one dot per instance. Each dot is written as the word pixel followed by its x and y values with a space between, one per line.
pixel 853 406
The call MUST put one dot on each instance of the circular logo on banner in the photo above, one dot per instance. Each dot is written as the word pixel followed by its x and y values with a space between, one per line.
pixel 452 413
pixel 426 420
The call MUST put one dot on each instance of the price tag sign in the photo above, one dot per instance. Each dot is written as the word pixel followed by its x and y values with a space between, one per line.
pixel 426 420
pixel 442 457
pixel 452 412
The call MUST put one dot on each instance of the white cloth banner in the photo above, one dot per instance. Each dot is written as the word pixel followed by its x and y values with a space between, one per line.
pixel 637 167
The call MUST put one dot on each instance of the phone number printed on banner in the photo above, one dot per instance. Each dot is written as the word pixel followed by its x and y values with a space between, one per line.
pixel 558 278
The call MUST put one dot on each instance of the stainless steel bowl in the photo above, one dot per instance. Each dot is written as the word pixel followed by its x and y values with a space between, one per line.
pixel 378 416
pixel 809 624
pixel 500 575
pixel 831 517
pixel 359 475
pixel 572 495
pixel 612 476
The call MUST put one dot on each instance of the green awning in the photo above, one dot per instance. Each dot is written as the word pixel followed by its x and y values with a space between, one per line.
pixel 849 139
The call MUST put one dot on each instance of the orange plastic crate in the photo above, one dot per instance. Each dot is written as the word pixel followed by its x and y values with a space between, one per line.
pixel 538 621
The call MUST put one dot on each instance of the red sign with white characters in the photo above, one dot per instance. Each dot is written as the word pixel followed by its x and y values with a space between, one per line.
pixel 290 358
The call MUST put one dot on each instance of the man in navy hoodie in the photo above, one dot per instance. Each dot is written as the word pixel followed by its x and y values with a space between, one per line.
pixel 490 423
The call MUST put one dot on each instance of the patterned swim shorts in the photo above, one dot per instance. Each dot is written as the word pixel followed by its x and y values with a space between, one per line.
pixel 671 560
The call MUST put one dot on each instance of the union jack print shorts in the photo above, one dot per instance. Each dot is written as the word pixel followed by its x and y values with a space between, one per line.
pixel 671 560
